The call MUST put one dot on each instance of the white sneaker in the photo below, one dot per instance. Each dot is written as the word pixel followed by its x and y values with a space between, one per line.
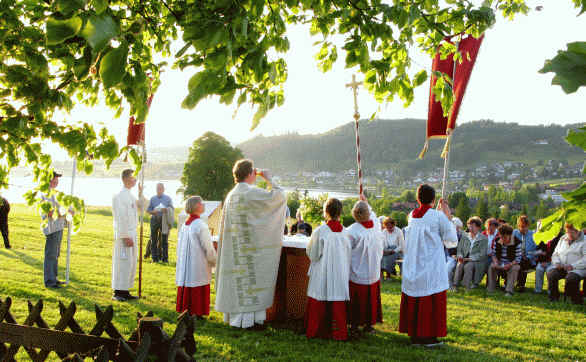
pixel 433 345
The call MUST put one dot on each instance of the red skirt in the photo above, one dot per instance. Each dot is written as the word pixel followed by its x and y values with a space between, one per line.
pixel 424 317
pixel 196 300
pixel 365 304
pixel 325 319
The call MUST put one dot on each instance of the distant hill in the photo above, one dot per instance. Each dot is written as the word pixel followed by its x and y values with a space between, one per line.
pixel 396 144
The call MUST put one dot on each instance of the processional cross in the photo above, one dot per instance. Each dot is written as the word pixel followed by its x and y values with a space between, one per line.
pixel 354 85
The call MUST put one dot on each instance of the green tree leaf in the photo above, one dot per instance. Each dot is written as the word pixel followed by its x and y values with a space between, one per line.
pixel 577 138
pixel 100 5
pixel 60 30
pixel 113 66
pixel 66 7
pixel 99 30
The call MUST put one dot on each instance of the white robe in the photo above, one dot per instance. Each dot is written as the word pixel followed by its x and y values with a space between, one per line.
pixel 125 215
pixel 195 255
pixel 367 252
pixel 249 250
pixel 329 272
pixel 424 263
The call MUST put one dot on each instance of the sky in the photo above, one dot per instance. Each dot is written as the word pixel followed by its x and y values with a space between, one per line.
pixel 505 87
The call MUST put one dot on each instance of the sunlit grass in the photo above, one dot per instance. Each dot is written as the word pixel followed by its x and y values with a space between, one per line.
pixel 480 326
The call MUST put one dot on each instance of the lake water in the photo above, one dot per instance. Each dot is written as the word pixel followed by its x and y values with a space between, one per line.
pixel 99 191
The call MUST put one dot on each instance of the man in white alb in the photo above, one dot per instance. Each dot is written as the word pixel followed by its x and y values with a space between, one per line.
pixel 249 248
pixel 125 213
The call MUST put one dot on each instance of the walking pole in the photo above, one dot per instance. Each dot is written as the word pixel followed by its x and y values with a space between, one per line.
pixel 141 198
pixel 70 225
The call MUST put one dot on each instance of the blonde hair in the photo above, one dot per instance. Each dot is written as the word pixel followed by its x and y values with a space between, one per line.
pixel 360 211
pixel 192 203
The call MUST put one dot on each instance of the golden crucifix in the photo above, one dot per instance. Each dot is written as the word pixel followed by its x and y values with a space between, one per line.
pixel 354 85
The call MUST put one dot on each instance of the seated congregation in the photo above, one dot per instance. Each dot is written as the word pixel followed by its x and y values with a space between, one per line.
pixel 501 253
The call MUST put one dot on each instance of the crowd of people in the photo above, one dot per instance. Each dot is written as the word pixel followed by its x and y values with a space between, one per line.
pixel 436 253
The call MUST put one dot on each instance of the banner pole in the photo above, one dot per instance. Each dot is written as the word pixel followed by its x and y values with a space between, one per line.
pixel 70 225
pixel 141 198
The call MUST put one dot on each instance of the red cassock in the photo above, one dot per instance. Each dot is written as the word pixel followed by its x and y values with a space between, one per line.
pixel 423 317
pixel 365 304
pixel 194 299
pixel 326 319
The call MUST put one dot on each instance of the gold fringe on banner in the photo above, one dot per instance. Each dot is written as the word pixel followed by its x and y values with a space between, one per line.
pixel 424 150
pixel 447 145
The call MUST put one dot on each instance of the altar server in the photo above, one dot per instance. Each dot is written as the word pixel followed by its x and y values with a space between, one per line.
pixel 425 275
pixel 125 215
pixel 249 249
pixel 195 258
pixel 367 251
pixel 329 251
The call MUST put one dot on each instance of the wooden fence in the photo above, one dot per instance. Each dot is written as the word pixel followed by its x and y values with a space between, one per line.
pixel 148 341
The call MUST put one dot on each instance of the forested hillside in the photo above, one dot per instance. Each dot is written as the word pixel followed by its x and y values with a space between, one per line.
pixel 397 143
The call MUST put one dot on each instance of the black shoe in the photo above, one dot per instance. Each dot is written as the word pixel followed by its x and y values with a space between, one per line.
pixel 130 297
pixel 8 246
pixel 119 298
pixel 56 286
pixel 59 282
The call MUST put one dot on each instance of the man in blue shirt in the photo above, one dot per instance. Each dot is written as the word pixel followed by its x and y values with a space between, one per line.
pixel 160 206
pixel 528 247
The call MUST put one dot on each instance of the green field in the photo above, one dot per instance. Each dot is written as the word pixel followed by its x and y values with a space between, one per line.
pixel 480 326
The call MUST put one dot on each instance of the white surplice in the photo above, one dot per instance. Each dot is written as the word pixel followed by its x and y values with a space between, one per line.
pixel 329 272
pixel 195 255
pixel 424 263
pixel 367 252
pixel 249 250
pixel 125 215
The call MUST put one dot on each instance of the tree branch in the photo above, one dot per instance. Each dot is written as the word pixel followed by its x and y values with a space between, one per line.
pixel 170 10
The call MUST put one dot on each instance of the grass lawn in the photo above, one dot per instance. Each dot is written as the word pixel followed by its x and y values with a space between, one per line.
pixel 480 326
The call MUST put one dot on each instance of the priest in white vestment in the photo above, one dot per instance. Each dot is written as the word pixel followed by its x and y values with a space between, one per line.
pixel 124 255
pixel 425 275
pixel 249 248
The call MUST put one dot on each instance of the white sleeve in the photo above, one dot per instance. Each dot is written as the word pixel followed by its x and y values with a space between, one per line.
pixel 448 231
pixel 205 239
pixel 314 249
pixel 122 217
pixel 400 242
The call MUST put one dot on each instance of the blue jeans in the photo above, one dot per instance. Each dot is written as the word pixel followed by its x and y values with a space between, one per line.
pixel 52 251
pixel 539 276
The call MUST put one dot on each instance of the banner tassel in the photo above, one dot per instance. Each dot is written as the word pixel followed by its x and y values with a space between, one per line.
pixel 424 150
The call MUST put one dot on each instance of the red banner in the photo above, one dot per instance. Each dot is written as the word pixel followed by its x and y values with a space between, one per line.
pixel 135 133
pixel 136 130
pixel 438 125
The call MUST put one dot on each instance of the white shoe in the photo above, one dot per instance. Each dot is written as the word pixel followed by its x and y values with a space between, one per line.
pixel 433 345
